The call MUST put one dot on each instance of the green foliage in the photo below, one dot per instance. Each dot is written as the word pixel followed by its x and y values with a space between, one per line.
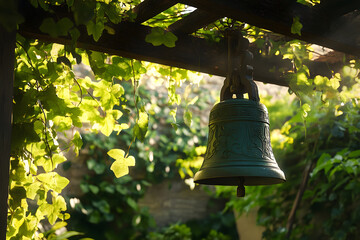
pixel 141 126
pixel 192 162
pixel 51 234
pixel 107 208
pixel 109 204
pixel 50 101
pixel 184 232
pixel 214 235
pixel 173 232
pixel 51 104
pixel 158 37
pixel 325 137
pixel 220 225
pixel 121 164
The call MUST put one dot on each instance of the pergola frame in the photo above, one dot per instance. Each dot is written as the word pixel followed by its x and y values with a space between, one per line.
pixel 332 24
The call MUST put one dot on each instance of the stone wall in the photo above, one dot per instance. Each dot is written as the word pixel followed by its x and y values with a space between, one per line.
pixel 173 201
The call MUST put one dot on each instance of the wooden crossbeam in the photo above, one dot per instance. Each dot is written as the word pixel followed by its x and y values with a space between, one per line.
pixel 150 8
pixel 189 53
pixel 194 21
pixel 277 16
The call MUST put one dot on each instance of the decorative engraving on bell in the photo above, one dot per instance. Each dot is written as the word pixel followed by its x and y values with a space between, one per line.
pixel 239 150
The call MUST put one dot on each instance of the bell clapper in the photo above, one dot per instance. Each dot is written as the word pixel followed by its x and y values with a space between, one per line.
pixel 241 188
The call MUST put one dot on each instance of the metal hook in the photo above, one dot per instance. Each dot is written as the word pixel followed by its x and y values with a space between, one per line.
pixel 239 79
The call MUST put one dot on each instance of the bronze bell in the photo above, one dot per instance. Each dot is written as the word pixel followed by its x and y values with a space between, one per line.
pixel 239 151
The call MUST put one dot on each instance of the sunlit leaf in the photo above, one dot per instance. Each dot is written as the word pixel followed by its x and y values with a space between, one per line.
pixel 141 126
pixel 121 165
pixel 188 117
pixel 159 36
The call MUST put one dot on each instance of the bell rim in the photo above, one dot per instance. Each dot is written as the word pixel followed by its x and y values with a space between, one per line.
pixel 208 176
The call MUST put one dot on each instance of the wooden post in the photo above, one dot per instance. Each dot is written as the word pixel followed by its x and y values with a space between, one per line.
pixel 7 58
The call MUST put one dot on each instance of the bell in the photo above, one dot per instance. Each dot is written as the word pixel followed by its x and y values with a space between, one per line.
pixel 239 151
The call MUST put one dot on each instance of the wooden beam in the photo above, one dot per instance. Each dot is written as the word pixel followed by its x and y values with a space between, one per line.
pixel 7 59
pixel 277 16
pixel 150 8
pixel 194 21
pixel 189 53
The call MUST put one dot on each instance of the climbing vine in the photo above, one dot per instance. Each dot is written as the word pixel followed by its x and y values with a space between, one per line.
pixel 53 105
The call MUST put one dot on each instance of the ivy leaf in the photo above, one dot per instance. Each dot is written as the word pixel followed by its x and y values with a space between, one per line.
pixel 77 141
pixel 114 13
pixel 121 165
pixel 296 26
pixel 119 168
pixel 132 203
pixel 49 26
pixel 159 36
pixel 75 34
pixel 320 80
pixel 61 28
pixel 141 126
pixel 334 83
pixel 17 194
pixel 188 117
pixel 108 125
pixel 53 180
pixel 58 205
pixel 95 29
pixel 170 39
pixel 32 189
pixel 94 189
pixel 155 37
pixel 57 159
